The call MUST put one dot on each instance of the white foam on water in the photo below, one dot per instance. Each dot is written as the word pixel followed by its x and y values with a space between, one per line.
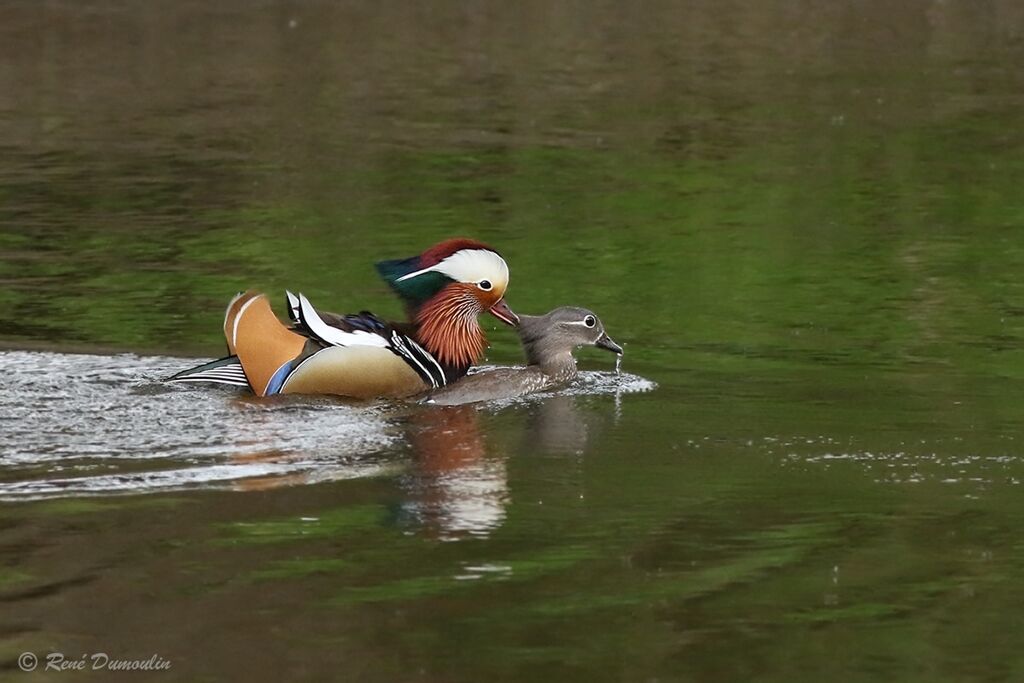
pixel 81 424
pixel 78 424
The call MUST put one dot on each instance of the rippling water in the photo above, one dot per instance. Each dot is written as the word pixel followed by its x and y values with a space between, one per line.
pixel 95 424
pixel 803 220
pixel 103 424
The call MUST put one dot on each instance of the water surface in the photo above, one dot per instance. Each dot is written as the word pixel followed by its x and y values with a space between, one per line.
pixel 803 219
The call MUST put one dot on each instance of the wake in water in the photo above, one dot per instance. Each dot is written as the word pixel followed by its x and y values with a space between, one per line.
pixel 78 424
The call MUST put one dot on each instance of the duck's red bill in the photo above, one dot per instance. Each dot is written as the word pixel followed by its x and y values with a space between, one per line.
pixel 502 312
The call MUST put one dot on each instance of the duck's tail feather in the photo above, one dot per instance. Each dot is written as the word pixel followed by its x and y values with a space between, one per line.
pixel 227 370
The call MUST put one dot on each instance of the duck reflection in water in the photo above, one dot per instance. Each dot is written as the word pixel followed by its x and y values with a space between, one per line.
pixel 455 487
pixel 458 485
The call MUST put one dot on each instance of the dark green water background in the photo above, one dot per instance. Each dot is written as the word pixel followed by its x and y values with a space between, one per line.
pixel 803 218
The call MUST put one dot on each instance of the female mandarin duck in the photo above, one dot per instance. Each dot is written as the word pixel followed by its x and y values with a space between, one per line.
pixel 549 341
pixel 444 289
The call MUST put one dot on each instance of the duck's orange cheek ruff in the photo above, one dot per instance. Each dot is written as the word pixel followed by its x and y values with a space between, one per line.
pixel 448 326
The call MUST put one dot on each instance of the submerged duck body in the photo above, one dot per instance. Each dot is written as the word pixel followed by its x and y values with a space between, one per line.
pixel 548 341
pixel 361 355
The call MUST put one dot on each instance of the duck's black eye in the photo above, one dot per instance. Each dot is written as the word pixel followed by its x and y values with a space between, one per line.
pixel 484 285
pixel 590 321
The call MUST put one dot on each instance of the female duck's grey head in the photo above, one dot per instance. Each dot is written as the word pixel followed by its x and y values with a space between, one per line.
pixel 549 340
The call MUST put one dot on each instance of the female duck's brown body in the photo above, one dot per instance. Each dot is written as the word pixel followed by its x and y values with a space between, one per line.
pixel 548 341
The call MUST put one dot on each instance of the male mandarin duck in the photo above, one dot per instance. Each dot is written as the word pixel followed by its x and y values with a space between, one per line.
pixel 361 356
pixel 549 341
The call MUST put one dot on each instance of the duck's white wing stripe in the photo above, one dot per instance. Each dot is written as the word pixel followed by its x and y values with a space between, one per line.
pixel 442 379
pixel 215 380
pixel 225 372
pixel 332 335
pixel 293 306
pixel 228 309
pixel 228 371
pixel 238 319
pixel 398 345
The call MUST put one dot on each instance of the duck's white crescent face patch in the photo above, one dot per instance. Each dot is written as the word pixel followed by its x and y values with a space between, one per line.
pixel 471 266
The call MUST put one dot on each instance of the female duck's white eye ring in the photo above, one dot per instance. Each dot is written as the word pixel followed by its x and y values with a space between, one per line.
pixel 484 285
pixel 590 321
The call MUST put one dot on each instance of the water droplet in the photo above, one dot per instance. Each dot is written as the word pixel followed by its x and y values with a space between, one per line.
pixel 618 364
